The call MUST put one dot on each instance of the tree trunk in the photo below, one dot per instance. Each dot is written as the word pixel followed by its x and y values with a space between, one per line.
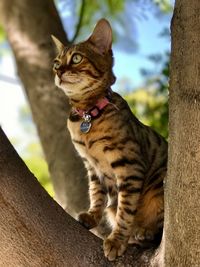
pixel 36 232
pixel 28 25
pixel 182 194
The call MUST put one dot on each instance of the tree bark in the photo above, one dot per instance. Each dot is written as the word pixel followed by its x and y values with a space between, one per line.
pixel 28 25
pixel 36 231
pixel 182 215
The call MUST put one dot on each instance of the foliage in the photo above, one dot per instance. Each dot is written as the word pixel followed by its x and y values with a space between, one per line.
pixel 164 5
pixel 81 16
pixel 32 152
pixel 3 43
pixel 2 34
pixel 151 108
pixel 150 103
pixel 38 166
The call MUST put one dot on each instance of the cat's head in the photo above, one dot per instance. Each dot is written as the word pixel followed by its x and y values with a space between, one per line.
pixel 84 71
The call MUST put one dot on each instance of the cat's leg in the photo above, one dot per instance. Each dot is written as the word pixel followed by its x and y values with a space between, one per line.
pixel 97 194
pixel 150 211
pixel 129 175
pixel 150 215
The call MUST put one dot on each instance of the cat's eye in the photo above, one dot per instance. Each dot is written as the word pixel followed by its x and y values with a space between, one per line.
pixel 76 58
pixel 56 65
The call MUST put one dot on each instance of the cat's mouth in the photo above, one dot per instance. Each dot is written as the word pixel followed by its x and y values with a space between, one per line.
pixel 63 82
pixel 68 80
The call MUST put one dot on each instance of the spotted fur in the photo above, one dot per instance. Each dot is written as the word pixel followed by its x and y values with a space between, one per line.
pixel 126 160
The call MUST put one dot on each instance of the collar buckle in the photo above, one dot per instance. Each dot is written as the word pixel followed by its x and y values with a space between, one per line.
pixel 87 117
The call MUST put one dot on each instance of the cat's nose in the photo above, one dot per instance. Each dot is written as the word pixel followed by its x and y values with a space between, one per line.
pixel 60 72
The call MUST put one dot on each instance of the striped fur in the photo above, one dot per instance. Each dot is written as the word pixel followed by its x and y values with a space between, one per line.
pixel 126 160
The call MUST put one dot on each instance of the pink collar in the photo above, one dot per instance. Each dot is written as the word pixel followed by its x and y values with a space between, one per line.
pixel 95 111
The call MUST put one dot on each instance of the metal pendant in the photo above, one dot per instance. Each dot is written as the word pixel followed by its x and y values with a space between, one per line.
pixel 86 124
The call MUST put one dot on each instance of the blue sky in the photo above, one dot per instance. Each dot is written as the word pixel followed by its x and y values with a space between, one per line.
pixel 149 42
pixel 144 23
pixel 126 66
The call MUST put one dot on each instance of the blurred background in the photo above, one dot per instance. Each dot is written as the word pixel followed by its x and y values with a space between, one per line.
pixel 141 46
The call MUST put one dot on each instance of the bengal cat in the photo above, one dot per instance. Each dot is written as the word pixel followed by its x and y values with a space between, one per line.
pixel 126 160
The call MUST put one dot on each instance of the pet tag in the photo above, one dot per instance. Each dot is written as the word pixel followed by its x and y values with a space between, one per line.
pixel 86 124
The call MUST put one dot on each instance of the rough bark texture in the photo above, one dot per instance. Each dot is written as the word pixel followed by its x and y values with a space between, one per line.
pixel 28 25
pixel 182 216
pixel 36 232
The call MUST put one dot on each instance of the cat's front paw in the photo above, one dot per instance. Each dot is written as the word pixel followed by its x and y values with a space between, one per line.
pixel 113 248
pixel 87 220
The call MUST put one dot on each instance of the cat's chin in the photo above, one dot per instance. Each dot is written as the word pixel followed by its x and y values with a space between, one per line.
pixel 67 91
pixel 66 87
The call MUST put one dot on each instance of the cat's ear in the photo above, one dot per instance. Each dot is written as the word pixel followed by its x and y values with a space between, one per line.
pixel 101 37
pixel 57 43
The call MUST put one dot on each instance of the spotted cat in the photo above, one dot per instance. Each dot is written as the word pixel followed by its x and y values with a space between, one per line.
pixel 126 160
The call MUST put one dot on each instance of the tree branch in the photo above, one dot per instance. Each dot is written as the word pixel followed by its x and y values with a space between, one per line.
pixel 36 231
pixel 79 24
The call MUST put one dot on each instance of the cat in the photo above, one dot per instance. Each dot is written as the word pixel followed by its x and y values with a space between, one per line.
pixel 126 161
